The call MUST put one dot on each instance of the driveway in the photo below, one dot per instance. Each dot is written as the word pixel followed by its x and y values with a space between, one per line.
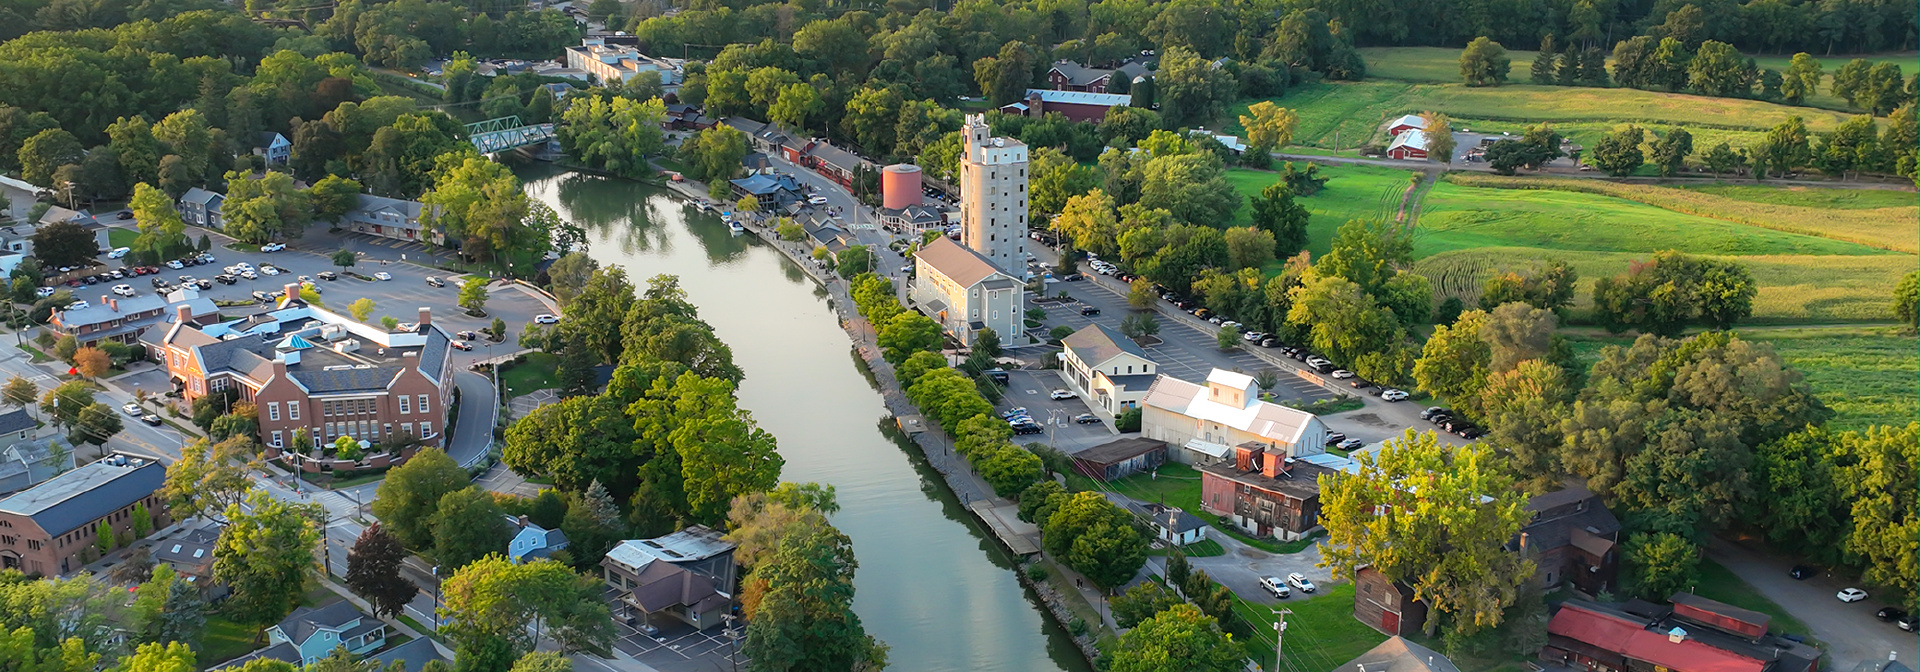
pixel 479 408
pixel 1852 634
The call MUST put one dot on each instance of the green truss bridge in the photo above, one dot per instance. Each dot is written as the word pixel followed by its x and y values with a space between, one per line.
pixel 505 133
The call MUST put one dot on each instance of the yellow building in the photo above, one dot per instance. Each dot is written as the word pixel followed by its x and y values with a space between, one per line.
pixel 1106 368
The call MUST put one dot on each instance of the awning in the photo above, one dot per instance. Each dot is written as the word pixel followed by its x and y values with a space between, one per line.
pixel 1208 448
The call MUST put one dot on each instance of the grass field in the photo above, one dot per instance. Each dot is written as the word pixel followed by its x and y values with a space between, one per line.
pixel 119 237
pixel 1355 192
pixel 1321 632
pixel 1812 197
pixel 1175 485
pixel 534 374
pixel 1889 228
pixel 224 640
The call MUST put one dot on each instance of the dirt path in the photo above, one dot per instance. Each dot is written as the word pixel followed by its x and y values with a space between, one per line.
pixel 1428 166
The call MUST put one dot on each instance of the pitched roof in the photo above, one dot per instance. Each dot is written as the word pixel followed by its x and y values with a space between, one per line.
pixel 283 651
pixel 1080 75
pixel 1081 97
pixel 1413 120
pixel 16 421
pixel 99 313
pixel 415 654
pixel 1268 420
pixel 198 196
pixel 764 184
pixel 1119 449
pixel 79 497
pixel 1096 343
pixel 661 585
pixel 1413 139
pixel 1399 655
pixel 836 157
pixel 1174 519
pixel 961 265
pixel 1603 628
pixel 305 621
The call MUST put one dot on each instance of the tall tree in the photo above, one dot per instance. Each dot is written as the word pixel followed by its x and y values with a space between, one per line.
pixel 1670 151
pixel 467 526
pixel 1801 79
pixel 1484 63
pixel 1179 639
pixel 210 478
pixel 266 555
pixel 46 152
pixel 373 571
pixel 1619 153
pixel 1269 126
pixel 411 493
pixel 1542 71
pixel 803 619
pixel 1276 211
pixel 491 602
pixel 1191 91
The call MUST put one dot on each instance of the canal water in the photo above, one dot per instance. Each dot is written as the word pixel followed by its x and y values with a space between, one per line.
pixel 931 584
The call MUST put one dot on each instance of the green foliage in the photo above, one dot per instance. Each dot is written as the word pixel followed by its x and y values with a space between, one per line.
pixel 1906 305
pixel 1619 153
pixel 1179 639
pixel 266 555
pixel 1009 469
pixel 1660 565
pixel 804 616
pixel 467 526
pixel 1484 63
pixel 1142 602
pixel 490 602
pixel 1664 294
pixel 1095 538
pixel 615 134
pixel 1128 421
pixel 410 496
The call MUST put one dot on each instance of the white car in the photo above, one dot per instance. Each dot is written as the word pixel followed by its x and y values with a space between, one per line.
pixel 123 290
pixel 77 305
pixel 544 318
pixel 817 200
pixel 383 275
pixel 1393 395
pixel 1063 394
pixel 1300 581
pixel 43 292
pixel 119 252
pixel 1275 586
pixel 269 269
pixel 249 274
pixel 1851 595
pixel 175 264
pixel 272 247
pixel 1342 374
pixel 133 409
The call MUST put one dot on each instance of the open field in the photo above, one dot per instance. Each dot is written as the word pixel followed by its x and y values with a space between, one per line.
pixel 1812 197
pixel 1441 65
pixel 1321 633
pixel 1886 228
pixel 1458 217
pixel 1355 192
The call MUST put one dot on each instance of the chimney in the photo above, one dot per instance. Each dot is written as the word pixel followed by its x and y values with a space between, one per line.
pixel 279 367
pixel 426 316
pixel 1272 469
pixel 1524 539
pixel 184 313
pixel 293 290
pixel 107 300
pixel 114 304
pixel 523 522
pixel 1245 456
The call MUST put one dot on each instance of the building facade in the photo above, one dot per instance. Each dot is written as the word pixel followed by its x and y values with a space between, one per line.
pixel 122 320
pixel 1107 368
pixel 47 529
pixel 1572 539
pixel 200 207
pixel 395 218
pixel 1264 492
pixel 961 289
pixel 688 575
pixel 1203 422
pixel 993 198
pixel 307 368
pixel 1386 605
pixel 615 64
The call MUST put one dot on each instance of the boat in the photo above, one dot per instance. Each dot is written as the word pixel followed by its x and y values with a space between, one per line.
pixel 736 227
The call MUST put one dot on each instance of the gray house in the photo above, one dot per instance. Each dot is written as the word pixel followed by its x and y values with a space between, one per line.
pixel 274 146
pixel 200 207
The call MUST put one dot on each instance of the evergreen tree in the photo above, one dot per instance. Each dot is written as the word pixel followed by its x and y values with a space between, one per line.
pixel 1593 67
pixel 1543 70
pixel 183 617
pixel 1567 68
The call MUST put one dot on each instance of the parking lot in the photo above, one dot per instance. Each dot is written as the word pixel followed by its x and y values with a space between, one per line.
pixel 1031 389
pixel 676 646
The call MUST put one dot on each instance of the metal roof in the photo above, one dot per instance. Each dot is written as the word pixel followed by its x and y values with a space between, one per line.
pixel 1081 97
pixel 963 266
pixel 1096 343
pixel 1267 420
pixel 76 498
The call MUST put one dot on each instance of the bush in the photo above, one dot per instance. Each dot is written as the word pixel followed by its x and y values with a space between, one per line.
pixel 1128 421
pixel 1037 572
pixel 1077 626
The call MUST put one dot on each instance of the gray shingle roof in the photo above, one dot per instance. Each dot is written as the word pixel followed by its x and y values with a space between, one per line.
pixel 416 654
pixel 200 196
pixel 1080 75
pixel 16 421
pixel 345 380
pixel 433 355
pixel 219 354
pixel 79 497
pixel 961 265
pixel 99 313
pixel 303 622
pixel 1097 343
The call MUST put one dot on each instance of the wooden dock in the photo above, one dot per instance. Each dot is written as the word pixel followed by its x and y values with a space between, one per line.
pixel 1021 537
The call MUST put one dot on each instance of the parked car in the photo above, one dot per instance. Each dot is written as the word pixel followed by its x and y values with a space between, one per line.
pixel 462 346
pixel 1433 411
pixel 119 252
pixel 1252 336
pixel 1351 444
pixel 467 335
pixel 123 289
pixel 161 283
pixel 1087 419
pixel 226 279
pixel 262 297
pixel 998 375
pixel 43 292
pixel 1907 623
pixel 1393 395
pixel 1301 582
pixel 1472 433
pixel 151 419
pixel 1851 595
pixel 176 265
pixel 383 275
pixel 1342 374
pixel 1275 586
pixel 249 274
pixel 1801 572
pixel 1017 410
pixel 270 269
pixel 1089 310
pixel 1063 394
pixel 1269 342
pixel 272 247
pixel 1888 614
pixel 435 281
pixel 1028 428
pixel 77 305
pixel 1335 437
pixel 817 200
pixel 124 215
pixel 328 275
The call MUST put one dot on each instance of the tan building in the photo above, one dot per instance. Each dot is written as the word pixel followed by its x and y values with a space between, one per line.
pixel 993 198
pixel 963 291
pixel 46 530
pixel 306 367
pixel 1106 368
pixel 1204 422
pixel 615 64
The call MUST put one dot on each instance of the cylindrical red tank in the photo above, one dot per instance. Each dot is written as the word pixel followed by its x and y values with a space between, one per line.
pixel 899 186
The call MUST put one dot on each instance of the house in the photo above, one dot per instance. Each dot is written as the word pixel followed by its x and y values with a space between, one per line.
pixel 316 632
pixel 1695 635
pixel 1071 76
pixel 46 530
pixel 200 207
pixel 825 232
pixel 1265 492
pixel 1120 458
pixel 689 575
pixel 1399 655
pixel 683 117
pixel 837 164
pixel 18 196
pixel 1106 368
pixel 614 64
pixel 306 367
pixel 395 218
pixel 412 655
pixel 771 190
pixel 122 320
pixel 1170 524
pixel 1386 605
pixel 1074 105
pixel 913 218
pixel 25 464
pixel 1409 146
pixel 190 554
pixel 963 291
pixel 274 146
pixel 1572 538
pixel 768 138
pixel 17 425
pixel 1411 122
pixel 532 542
pixel 1204 420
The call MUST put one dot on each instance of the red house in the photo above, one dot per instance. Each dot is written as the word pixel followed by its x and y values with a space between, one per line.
pixel 1385 604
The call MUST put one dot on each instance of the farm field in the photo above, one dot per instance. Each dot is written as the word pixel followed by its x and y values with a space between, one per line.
pixel 1355 192
pixel 1811 197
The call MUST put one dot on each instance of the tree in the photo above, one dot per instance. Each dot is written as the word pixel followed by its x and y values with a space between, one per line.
pixel 332 198
pixel 1670 151
pixel 1004 78
pixel 65 348
pixel 569 274
pixel 155 657
pixel 1722 159
pixel 467 526
pixel 1179 639
pixel 1801 79
pixel 1874 477
pixel 361 309
pixel 266 555
pixel 63 404
pixel 803 617
pixel 1456 361
pixel 1140 295
pixel 1276 211
pixel 1270 127
pixel 1906 308
pixel 1368 253
pixel 1784 150
pixel 183 615
pixel 162 233
pixel 1619 153
pixel 1009 469
pixel 489 604
pixel 209 479
pixel 1095 538
pixel 543 661
pixel 63 244
pixel 1660 565
pixel 264 209
pixel 1190 90
pixel 473 295
pixel 1882 91
pixel 373 571
pixel 411 493
pixel 132 143
pixel 45 152
pixel 97 423
pixel 592 525
pixel 797 103
pixel 1142 602
pixel 20 392
pixel 1484 63
pixel 907 333
pixel 617 134
pixel 1717 69
pixel 1542 71
pixel 1441 539
pixel 1439 133
pixel 1248 247
pixel 92 362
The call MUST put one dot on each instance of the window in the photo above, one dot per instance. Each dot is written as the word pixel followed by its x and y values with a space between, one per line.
pixel 426 428
pixel 276 438
pixel 405 408
pixel 423 403
pixel 293 410
pixel 406 427
pixel 330 433
pixel 273 410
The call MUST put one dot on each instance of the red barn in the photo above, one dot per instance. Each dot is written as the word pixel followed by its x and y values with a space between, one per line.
pixel 1411 145
pixel 1406 123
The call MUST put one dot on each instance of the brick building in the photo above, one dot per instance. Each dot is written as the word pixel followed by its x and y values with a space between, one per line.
pixel 306 367
pixel 1074 105
pixel 1694 634
pixel 121 320
pixel 1386 605
pixel 1572 539
pixel 46 529
pixel 1265 493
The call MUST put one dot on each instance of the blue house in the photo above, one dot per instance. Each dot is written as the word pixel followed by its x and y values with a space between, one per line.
pixel 274 146
pixel 533 542
pixel 313 633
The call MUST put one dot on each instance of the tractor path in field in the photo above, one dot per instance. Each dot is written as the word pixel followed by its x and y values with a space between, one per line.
pixel 1428 166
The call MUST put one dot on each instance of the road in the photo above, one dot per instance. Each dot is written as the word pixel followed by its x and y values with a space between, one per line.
pixel 1851 632
pixel 479 409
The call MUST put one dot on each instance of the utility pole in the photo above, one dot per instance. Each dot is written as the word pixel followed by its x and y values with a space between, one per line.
pixel 1279 634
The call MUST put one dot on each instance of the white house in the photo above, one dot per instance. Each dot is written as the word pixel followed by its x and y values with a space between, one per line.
pixel 1107 368
pixel 1204 422
pixel 965 293
pixel 1170 524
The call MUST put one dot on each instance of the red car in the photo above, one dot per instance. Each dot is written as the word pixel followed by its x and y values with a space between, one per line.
pixel 462 346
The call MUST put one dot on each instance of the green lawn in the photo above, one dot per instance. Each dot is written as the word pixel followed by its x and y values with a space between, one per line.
pixel 1321 632
pixel 118 237
pixel 1720 583
pixel 1812 197
pixel 224 640
pixel 1177 485
pixel 1354 192
pixel 536 373
pixel 1868 376
pixel 1458 217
